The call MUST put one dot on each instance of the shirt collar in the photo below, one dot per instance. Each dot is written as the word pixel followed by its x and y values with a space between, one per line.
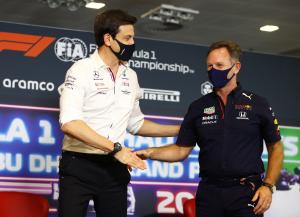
pixel 235 92
pixel 100 63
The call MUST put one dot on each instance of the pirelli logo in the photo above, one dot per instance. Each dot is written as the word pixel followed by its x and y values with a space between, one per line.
pixel 161 95
pixel 30 45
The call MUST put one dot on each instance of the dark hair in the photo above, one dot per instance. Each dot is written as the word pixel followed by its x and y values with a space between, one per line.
pixel 232 47
pixel 109 22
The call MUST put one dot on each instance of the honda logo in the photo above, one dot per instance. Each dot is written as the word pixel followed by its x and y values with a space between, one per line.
pixel 243 114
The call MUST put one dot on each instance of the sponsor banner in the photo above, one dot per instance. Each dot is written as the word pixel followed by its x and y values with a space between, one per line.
pixel 291 140
pixel 285 201
pixel 29 45
pixel 165 199
pixel 147 60
pixel 34 61
pixel 30 143
pixel 290 137
pixel 160 95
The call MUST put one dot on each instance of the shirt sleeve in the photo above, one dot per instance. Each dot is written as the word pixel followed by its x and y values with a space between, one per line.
pixel 136 118
pixel 270 125
pixel 72 96
pixel 187 134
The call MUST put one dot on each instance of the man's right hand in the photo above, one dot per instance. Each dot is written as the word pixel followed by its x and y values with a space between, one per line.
pixel 144 154
pixel 126 156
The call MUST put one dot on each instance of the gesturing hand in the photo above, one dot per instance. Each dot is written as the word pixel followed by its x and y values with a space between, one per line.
pixel 126 156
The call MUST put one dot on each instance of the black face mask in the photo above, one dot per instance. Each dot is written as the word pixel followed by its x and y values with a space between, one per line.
pixel 125 52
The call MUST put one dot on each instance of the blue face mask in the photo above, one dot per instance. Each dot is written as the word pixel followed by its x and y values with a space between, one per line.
pixel 219 77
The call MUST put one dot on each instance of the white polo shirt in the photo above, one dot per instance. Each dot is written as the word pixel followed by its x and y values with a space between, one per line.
pixel 107 104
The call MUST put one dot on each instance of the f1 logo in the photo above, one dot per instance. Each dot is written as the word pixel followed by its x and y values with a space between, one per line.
pixel 31 45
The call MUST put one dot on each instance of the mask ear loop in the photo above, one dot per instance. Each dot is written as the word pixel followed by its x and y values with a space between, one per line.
pixel 234 74
pixel 114 52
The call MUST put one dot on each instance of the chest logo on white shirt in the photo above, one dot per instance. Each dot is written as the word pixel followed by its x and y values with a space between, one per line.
pixel 126 92
pixel 125 87
pixel 101 87
pixel 70 82
pixel 125 83
pixel 97 76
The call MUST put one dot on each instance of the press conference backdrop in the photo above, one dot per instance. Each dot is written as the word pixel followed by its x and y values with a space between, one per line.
pixel 33 63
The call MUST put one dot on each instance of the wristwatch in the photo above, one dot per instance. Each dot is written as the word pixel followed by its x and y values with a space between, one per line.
pixel 117 148
pixel 270 186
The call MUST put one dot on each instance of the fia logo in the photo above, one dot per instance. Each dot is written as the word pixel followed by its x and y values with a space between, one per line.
pixel 70 49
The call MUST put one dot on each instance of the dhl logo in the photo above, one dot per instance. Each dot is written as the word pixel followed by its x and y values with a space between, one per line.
pixel 31 45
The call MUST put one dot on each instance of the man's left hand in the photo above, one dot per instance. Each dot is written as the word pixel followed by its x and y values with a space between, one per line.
pixel 263 196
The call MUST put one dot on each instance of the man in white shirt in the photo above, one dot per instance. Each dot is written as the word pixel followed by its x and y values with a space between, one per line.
pixel 99 102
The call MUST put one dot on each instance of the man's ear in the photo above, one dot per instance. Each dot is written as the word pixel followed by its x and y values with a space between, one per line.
pixel 107 39
pixel 238 66
pixel 235 70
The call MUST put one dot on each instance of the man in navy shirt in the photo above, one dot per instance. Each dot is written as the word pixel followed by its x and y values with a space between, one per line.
pixel 229 125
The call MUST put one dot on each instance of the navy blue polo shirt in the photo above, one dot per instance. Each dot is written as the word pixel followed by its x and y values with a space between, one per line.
pixel 230 137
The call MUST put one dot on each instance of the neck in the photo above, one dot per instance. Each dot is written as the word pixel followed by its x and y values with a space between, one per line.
pixel 225 91
pixel 109 58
